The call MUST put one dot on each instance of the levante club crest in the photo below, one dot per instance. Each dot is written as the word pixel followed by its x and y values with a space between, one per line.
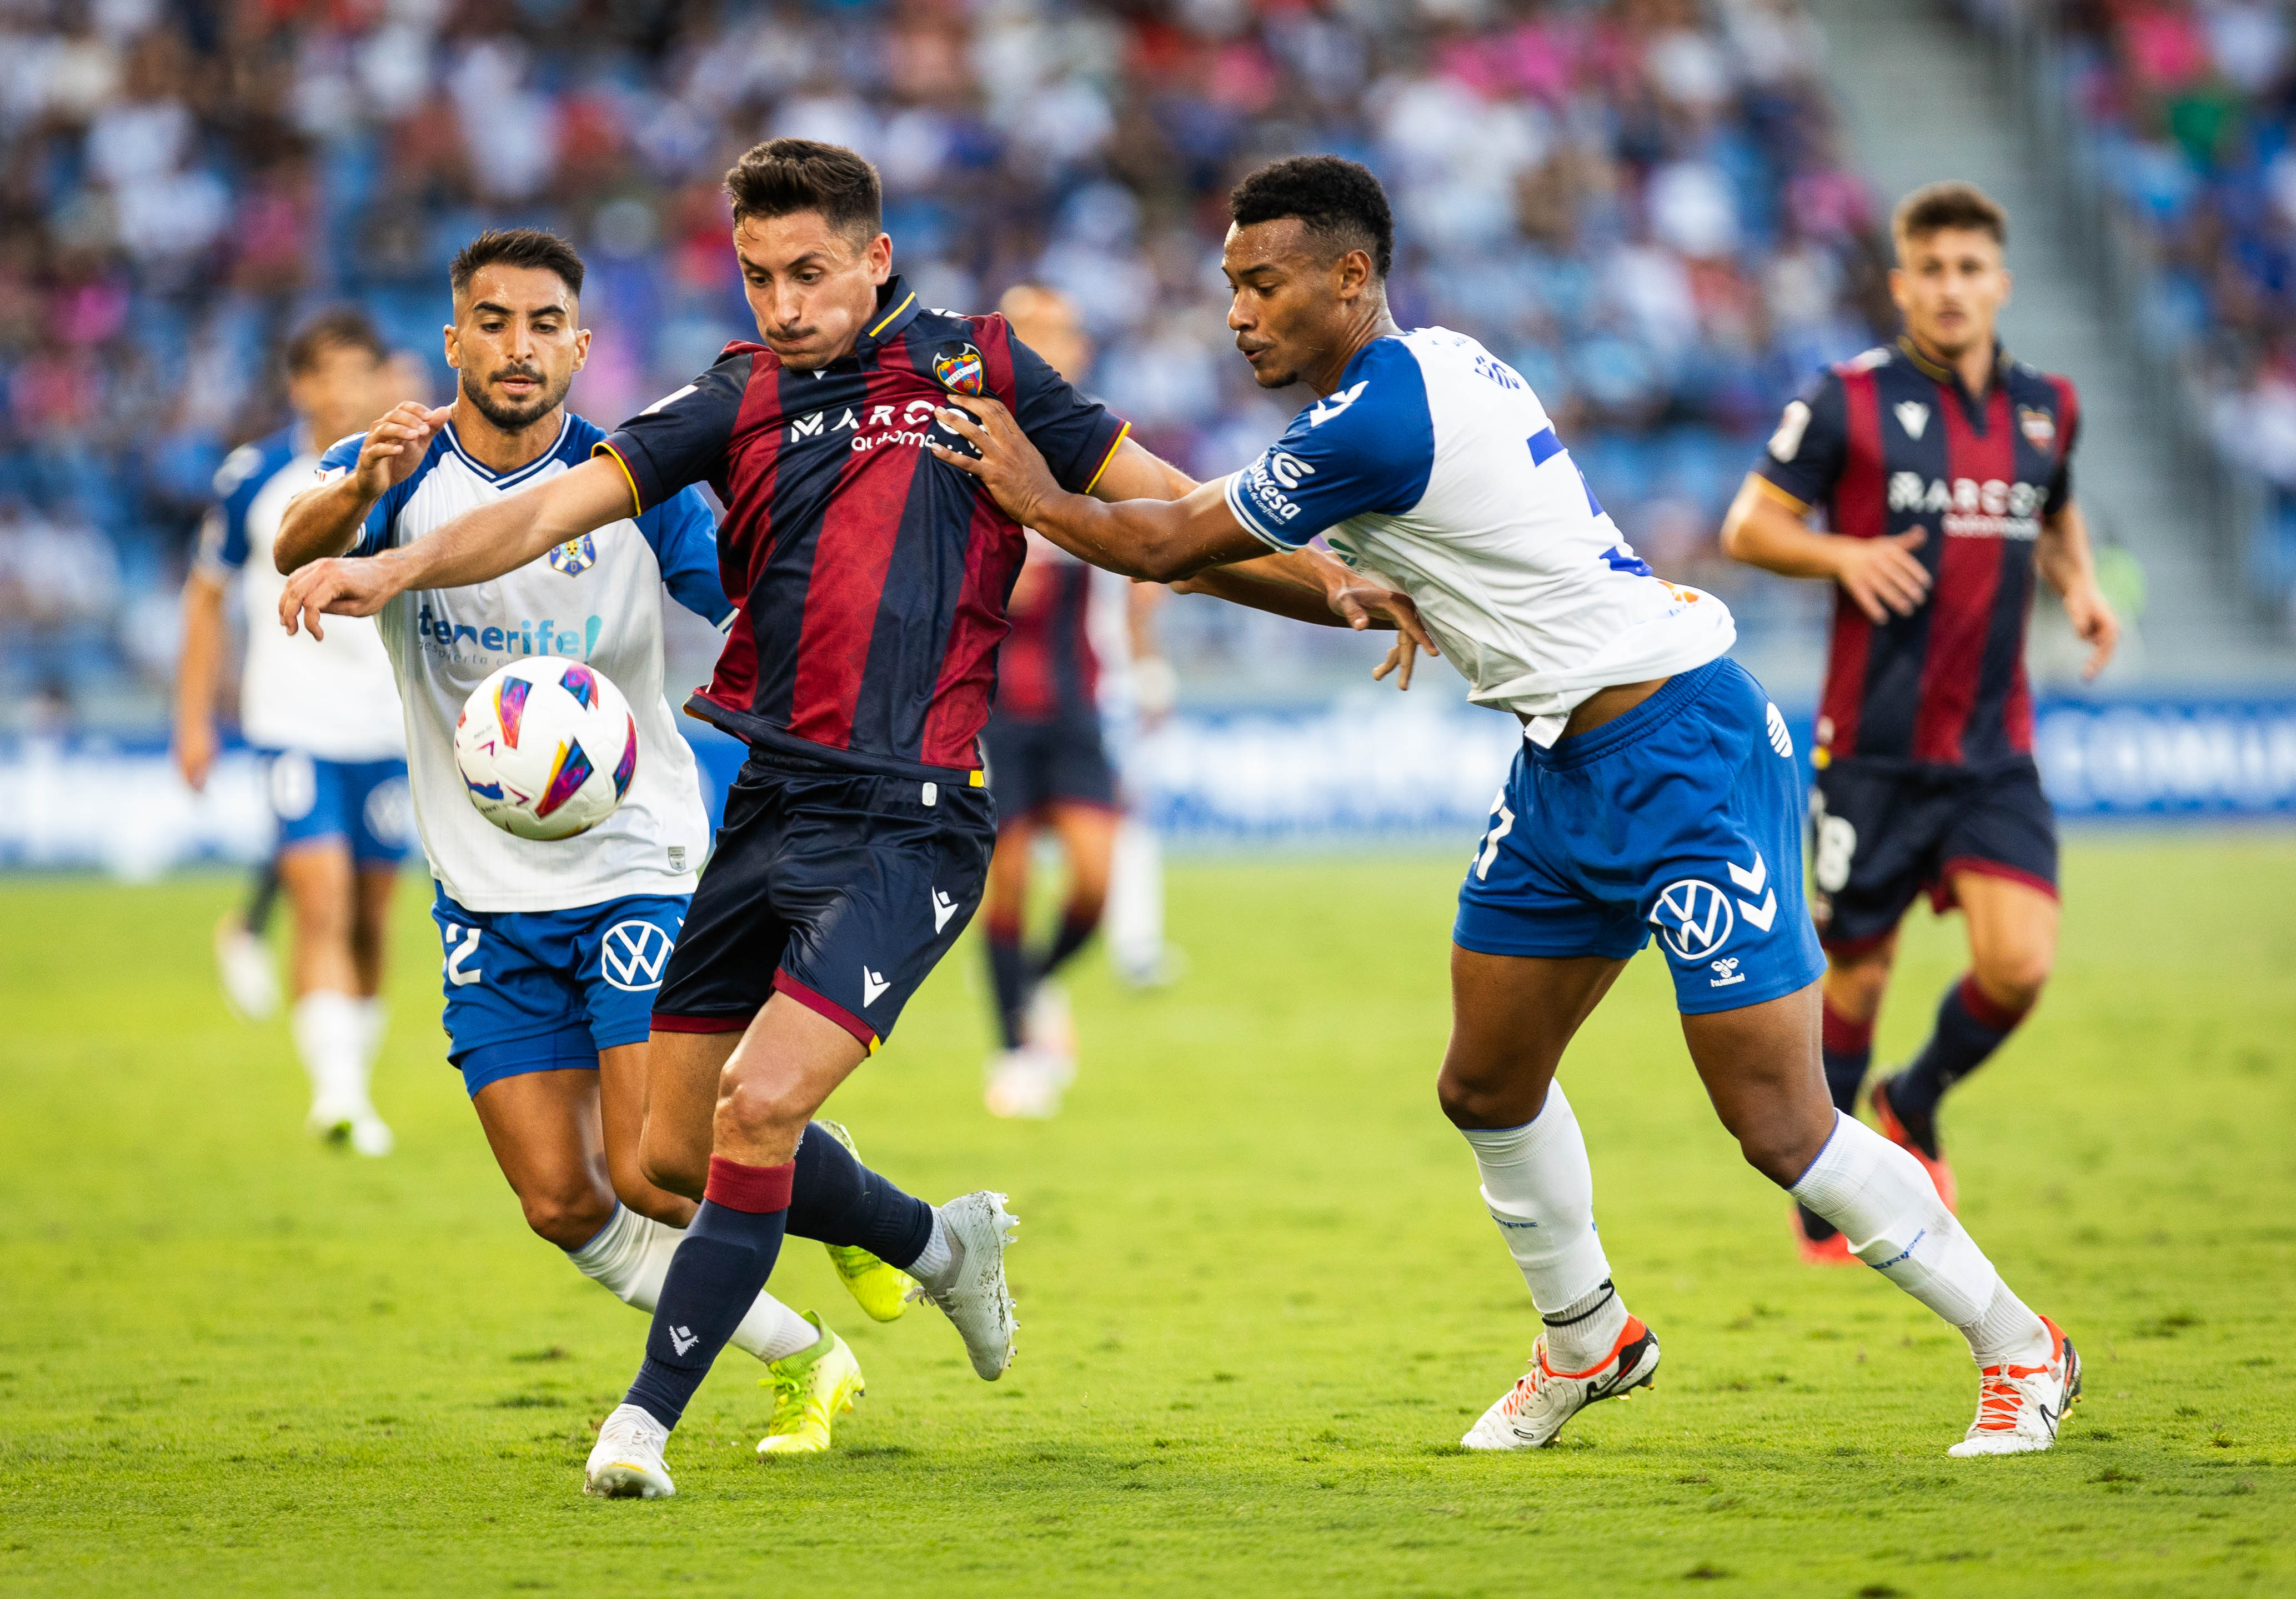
pixel 960 372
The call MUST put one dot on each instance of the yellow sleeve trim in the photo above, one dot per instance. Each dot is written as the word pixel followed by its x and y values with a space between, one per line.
pixel 1123 432
pixel 637 498
pixel 907 301
pixel 1774 491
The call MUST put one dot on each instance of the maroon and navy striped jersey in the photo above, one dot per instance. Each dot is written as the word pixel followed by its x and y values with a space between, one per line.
pixel 1049 669
pixel 871 577
pixel 1890 442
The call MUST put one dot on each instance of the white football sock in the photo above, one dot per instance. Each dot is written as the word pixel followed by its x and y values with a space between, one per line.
pixel 1581 1336
pixel 2009 1332
pixel 1884 1204
pixel 1540 1191
pixel 330 1038
pixel 374 1020
pixel 936 1267
pixel 630 1256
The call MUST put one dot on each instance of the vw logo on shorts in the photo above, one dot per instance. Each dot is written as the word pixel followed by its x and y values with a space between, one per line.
pixel 632 956
pixel 1694 917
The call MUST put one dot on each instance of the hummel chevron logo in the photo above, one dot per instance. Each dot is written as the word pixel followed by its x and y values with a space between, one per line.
pixel 1752 883
pixel 682 1339
pixel 944 907
pixel 873 984
pixel 1322 411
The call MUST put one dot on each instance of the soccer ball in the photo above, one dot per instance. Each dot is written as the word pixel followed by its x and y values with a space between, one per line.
pixel 546 747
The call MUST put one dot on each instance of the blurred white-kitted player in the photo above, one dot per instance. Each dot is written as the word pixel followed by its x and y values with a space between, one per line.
pixel 325 714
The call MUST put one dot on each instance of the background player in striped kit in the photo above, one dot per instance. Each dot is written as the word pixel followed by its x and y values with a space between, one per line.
pixel 1049 765
pixel 1945 469
pixel 327 716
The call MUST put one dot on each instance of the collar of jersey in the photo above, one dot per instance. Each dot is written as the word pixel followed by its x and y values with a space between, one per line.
pixel 897 307
pixel 505 479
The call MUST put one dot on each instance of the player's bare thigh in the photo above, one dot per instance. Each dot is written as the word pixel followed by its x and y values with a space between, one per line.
pixel 1763 1070
pixel 1511 1017
pixel 545 1132
pixel 747 1096
pixel 2013 936
pixel 318 877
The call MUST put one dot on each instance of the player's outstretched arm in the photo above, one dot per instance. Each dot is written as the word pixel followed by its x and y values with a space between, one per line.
pixel 1764 528
pixel 325 521
pixel 474 547
pixel 2063 555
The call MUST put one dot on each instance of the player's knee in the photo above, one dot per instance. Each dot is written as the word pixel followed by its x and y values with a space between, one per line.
pixel 752 1113
pixel 1779 1150
pixel 2013 978
pixel 570 1215
pixel 1482 1099
pixel 672 1171
pixel 1854 988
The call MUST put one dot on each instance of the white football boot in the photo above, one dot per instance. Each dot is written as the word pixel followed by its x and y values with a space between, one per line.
pixel 1026 1083
pixel 2020 1407
pixel 627 1462
pixel 1533 1411
pixel 1050 1026
pixel 350 1123
pixel 243 966
pixel 977 1299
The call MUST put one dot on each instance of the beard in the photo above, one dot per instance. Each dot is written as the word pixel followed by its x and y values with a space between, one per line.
pixel 515 419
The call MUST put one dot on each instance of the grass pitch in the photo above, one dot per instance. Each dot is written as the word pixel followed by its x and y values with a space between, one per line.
pixel 1258 1297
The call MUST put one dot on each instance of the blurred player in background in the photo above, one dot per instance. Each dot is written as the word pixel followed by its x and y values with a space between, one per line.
pixel 1656 787
pixel 326 717
pixel 553 949
pixel 1049 767
pixel 1945 469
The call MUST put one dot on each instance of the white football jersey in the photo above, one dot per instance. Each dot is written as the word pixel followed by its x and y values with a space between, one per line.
pixel 1435 467
pixel 332 698
pixel 596 600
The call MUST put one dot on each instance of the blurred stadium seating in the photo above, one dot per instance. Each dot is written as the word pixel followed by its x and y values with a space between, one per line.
pixel 1639 203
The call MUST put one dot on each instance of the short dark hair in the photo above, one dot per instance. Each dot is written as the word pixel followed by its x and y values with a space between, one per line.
pixel 517 246
pixel 1339 200
pixel 1933 207
pixel 784 176
pixel 337 327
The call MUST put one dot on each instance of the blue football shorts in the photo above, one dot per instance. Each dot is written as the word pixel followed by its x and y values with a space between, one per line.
pixel 1682 818
pixel 547 990
pixel 363 802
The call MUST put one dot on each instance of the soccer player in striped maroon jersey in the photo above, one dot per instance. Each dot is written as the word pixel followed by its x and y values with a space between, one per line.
pixel 1944 468
pixel 871 580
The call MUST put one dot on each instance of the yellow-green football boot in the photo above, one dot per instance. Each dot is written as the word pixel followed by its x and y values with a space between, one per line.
pixel 881 1290
pixel 811 1390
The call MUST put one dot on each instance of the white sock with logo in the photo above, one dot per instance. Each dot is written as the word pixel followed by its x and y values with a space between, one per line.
pixel 630 1256
pixel 1541 1190
pixel 330 1038
pixel 1888 1210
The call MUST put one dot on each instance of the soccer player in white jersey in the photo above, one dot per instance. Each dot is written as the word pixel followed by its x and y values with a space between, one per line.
pixel 325 713
pixel 1654 789
pixel 553 949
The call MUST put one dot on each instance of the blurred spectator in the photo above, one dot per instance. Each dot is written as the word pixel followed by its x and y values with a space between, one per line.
pixel 1638 202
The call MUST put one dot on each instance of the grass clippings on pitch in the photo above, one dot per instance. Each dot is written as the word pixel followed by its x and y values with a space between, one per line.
pixel 1258 1297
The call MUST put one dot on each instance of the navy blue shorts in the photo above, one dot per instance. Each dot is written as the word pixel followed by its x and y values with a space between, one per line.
pixel 1682 817
pixel 1886 832
pixel 363 802
pixel 547 990
pixel 839 889
pixel 1033 766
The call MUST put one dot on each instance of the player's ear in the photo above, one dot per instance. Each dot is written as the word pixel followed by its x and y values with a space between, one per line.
pixel 454 338
pixel 581 348
pixel 1897 287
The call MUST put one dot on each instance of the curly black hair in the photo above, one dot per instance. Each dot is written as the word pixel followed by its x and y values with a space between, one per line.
pixel 1339 200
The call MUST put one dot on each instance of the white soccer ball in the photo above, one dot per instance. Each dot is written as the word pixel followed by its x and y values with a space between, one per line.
pixel 546 747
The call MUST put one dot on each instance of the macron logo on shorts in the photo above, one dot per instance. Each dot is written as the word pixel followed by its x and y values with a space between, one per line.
pixel 944 907
pixel 873 984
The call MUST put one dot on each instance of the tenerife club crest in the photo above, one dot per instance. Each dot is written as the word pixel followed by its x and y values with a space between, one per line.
pixel 575 556
pixel 962 371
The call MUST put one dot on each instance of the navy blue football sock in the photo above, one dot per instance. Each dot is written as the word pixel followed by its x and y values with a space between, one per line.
pixel 837 1199
pixel 258 916
pixel 1008 973
pixel 714 1278
pixel 1970 1027
pixel 1076 929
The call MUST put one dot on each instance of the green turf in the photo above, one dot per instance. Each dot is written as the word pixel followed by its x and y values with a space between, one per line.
pixel 1258 1297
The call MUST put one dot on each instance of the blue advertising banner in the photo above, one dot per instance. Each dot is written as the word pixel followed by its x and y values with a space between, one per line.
pixel 1366 768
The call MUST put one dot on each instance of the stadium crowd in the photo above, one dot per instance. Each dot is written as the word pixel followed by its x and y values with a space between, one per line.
pixel 1638 202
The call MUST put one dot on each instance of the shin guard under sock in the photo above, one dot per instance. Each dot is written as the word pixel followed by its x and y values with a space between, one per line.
pixel 1008 974
pixel 1880 1198
pixel 1076 928
pixel 1847 1048
pixel 837 1199
pixel 1970 1027
pixel 717 1275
